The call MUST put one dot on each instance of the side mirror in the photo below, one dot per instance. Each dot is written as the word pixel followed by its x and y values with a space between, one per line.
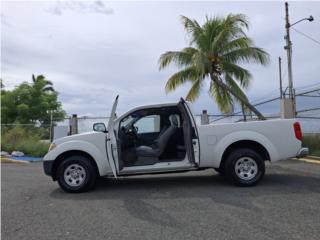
pixel 99 127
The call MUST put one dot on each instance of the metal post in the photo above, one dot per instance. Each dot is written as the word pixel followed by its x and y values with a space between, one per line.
pixel 74 124
pixel 294 104
pixel 51 125
pixel 204 117
pixel 280 78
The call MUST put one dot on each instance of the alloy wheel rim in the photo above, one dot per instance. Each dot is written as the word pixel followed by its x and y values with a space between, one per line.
pixel 246 168
pixel 74 175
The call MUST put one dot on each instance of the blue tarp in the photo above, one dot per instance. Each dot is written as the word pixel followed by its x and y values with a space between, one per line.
pixel 27 158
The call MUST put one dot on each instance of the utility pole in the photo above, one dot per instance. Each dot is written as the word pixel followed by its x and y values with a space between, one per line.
pixel 288 47
pixel 288 109
pixel 288 105
pixel 280 78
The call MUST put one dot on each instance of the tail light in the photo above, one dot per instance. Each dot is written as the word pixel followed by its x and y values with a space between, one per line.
pixel 297 130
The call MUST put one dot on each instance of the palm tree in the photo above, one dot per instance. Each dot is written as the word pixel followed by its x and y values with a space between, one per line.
pixel 216 50
pixel 41 83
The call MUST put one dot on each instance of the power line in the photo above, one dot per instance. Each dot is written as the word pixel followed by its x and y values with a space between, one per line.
pixel 309 109
pixel 307 86
pixel 311 91
pixel 307 36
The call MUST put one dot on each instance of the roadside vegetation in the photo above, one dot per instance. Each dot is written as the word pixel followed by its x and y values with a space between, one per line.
pixel 312 141
pixel 26 112
pixel 214 57
pixel 26 140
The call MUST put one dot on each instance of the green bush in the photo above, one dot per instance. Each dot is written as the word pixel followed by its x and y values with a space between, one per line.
pixel 312 141
pixel 26 140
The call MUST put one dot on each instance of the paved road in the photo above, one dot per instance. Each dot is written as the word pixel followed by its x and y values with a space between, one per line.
pixel 194 205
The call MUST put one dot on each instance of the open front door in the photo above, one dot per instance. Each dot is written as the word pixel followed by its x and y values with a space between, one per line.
pixel 112 141
pixel 190 133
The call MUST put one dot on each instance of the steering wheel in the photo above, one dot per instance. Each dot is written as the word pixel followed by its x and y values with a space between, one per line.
pixel 132 132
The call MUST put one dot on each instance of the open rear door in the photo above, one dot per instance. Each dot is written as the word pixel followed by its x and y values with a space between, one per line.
pixel 112 141
pixel 190 132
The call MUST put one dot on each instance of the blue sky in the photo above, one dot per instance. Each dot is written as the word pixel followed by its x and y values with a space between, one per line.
pixel 94 50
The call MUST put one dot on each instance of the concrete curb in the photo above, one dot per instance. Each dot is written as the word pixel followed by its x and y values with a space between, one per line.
pixel 313 158
pixel 307 159
pixel 9 160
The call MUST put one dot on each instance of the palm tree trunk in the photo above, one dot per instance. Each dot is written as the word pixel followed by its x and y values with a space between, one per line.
pixel 243 112
pixel 239 97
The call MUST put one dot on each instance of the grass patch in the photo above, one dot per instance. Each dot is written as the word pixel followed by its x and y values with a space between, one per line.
pixel 24 140
pixel 312 141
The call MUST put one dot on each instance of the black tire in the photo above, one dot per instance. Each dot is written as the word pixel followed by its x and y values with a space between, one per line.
pixel 246 176
pixel 87 171
pixel 220 171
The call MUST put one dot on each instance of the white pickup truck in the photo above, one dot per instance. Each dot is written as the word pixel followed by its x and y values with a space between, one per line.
pixel 165 138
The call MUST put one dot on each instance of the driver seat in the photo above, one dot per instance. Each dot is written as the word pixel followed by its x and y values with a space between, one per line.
pixel 161 142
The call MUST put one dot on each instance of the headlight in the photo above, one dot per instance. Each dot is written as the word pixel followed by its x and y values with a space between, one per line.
pixel 52 146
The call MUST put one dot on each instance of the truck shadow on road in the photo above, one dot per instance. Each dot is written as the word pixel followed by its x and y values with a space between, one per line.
pixel 179 186
pixel 138 194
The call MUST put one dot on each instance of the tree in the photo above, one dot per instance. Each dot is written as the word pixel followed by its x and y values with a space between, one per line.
pixel 215 53
pixel 1 84
pixel 31 103
pixel 41 83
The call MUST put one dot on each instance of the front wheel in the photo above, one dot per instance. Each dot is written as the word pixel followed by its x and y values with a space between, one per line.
pixel 76 174
pixel 245 167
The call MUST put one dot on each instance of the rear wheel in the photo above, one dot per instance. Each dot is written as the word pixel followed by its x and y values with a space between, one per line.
pixel 76 174
pixel 245 167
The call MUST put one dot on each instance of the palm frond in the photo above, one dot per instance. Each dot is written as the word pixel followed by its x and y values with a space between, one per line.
pixel 229 28
pixel 241 74
pixel 193 29
pixel 234 44
pixel 191 26
pixel 195 90
pixel 48 82
pixel 201 62
pixel 247 55
pixel 240 20
pixel 48 89
pixel 179 58
pixel 188 74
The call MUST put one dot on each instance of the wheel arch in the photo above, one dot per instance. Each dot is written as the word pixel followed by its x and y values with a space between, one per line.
pixel 60 158
pixel 251 144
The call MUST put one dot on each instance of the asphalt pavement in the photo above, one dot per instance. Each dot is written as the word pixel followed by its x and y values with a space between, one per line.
pixel 193 205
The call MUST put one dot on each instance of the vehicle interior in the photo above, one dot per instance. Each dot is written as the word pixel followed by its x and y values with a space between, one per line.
pixel 150 136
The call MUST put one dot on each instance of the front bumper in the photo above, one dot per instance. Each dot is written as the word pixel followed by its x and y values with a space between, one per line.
pixel 47 167
pixel 302 152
